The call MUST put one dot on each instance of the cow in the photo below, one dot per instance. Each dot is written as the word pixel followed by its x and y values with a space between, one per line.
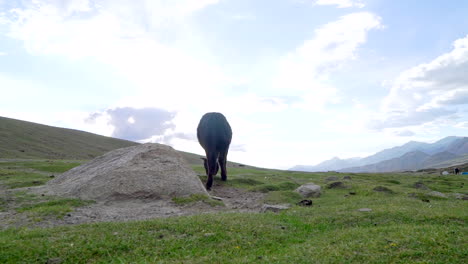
pixel 214 135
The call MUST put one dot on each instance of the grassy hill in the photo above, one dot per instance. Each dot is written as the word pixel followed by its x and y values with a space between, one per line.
pixel 27 140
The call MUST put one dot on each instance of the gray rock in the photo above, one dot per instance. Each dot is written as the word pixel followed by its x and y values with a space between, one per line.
pixel 460 196
pixel 274 207
pixel 420 185
pixel 309 190
pixel 364 210
pixel 147 171
pixel 336 185
pixel 383 189
pixel 54 261
pixel 331 178
pixel 347 177
pixel 305 203
pixel 216 198
pixel 437 194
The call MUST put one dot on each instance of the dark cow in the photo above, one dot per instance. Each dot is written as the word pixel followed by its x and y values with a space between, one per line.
pixel 214 134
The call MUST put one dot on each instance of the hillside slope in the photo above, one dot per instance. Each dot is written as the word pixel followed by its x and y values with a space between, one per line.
pixel 27 140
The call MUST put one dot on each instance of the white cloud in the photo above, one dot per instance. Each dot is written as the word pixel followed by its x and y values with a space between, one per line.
pixel 463 125
pixel 3 53
pixel 244 17
pixel 138 39
pixel 405 133
pixel 429 91
pixel 341 3
pixel 305 71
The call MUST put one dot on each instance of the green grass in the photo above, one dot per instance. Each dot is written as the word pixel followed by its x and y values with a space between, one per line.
pixel 399 229
pixel 278 197
pixel 31 173
pixel 282 186
pixel 34 173
pixel 57 166
pixel 17 179
pixel 197 198
pixel 57 208
pixel 39 208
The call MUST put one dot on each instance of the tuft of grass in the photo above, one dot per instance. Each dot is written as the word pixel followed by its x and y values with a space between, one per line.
pixel 282 186
pixel 279 197
pixel 237 182
pixel 197 198
pixel 383 189
pixel 393 181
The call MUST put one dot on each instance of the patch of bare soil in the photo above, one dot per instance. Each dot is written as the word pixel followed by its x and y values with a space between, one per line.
pixel 235 200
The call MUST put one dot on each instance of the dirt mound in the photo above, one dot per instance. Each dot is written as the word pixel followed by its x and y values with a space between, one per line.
pixel 148 171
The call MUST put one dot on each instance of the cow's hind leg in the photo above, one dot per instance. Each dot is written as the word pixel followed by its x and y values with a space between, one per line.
pixel 222 164
pixel 212 168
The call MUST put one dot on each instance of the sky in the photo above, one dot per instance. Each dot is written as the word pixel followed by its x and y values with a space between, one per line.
pixel 300 81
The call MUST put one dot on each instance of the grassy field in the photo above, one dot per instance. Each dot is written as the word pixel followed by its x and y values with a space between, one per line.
pixel 405 225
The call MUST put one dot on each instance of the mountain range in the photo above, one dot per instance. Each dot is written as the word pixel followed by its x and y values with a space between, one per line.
pixel 410 156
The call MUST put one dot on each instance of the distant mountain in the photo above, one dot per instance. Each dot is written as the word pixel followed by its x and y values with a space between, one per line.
pixel 414 160
pixel 389 159
pixel 328 165
pixel 459 146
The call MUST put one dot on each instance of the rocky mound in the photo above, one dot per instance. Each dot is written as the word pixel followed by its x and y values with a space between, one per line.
pixel 147 171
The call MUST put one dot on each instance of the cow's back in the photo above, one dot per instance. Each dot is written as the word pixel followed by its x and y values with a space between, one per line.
pixel 214 132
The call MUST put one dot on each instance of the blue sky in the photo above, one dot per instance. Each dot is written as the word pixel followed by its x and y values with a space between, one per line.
pixel 300 81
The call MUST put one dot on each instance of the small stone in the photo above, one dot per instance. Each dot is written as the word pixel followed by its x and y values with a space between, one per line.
pixel 420 185
pixel 305 203
pixel 347 177
pixel 217 198
pixel 54 261
pixel 437 194
pixel 383 189
pixel 426 200
pixel 331 178
pixel 208 234
pixel 335 185
pixel 364 210
pixel 274 208
pixel 309 190
pixel 458 195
